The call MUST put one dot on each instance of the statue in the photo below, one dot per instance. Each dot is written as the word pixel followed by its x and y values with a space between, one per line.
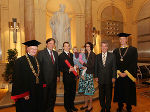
pixel 60 25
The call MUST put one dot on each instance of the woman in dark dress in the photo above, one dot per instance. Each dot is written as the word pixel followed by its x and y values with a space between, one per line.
pixel 88 89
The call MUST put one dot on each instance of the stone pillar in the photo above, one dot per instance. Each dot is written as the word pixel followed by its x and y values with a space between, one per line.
pixel 88 20
pixel 29 20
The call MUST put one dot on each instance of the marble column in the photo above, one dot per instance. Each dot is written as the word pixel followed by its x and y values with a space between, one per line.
pixel 88 20
pixel 5 37
pixel 29 20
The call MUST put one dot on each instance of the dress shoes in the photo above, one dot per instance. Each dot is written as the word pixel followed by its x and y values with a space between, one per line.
pixel 102 110
pixel 74 109
pixel 69 111
pixel 119 110
pixel 107 109
pixel 82 108
pixel 89 110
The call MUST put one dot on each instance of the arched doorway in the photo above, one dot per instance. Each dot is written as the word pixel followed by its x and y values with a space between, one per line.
pixel 111 25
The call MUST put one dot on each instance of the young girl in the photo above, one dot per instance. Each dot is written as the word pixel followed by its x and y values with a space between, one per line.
pixel 75 57
pixel 82 60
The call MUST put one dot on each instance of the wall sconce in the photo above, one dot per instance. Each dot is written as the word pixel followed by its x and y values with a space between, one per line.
pixel 14 26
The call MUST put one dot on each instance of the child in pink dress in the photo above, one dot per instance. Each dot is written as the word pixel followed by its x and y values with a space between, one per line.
pixel 82 60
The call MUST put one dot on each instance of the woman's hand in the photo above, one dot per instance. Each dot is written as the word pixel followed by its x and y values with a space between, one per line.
pixel 27 97
pixel 71 69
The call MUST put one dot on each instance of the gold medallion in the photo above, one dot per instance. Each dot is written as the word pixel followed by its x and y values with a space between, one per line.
pixel 121 59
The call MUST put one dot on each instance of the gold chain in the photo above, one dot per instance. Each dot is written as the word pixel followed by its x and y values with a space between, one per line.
pixel 33 71
pixel 123 54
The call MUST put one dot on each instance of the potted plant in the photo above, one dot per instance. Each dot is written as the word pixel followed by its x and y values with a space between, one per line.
pixel 9 70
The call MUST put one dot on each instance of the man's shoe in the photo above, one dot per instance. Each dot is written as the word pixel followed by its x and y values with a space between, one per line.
pixel 74 109
pixel 107 110
pixel 89 110
pixel 102 110
pixel 119 110
pixel 82 108
pixel 129 111
pixel 69 111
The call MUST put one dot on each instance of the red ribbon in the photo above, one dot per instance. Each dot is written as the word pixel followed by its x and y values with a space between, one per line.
pixel 69 65
pixel 19 96
pixel 44 85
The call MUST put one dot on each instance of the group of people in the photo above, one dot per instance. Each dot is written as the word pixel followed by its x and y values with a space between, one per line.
pixel 120 68
pixel 36 76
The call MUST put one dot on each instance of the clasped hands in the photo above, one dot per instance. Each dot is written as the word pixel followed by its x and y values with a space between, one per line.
pixel 122 74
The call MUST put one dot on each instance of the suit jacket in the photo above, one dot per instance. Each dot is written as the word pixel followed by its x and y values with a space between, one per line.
pixel 48 70
pixel 63 66
pixel 107 72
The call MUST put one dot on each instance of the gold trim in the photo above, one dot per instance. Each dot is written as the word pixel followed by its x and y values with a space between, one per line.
pixel 118 71
pixel 130 76
pixel 124 47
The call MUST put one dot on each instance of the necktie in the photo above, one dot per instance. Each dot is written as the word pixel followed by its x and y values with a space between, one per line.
pixel 69 55
pixel 104 59
pixel 52 57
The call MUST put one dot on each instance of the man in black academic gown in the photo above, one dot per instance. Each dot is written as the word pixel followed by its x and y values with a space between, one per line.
pixel 105 75
pixel 26 88
pixel 126 62
pixel 69 79
pixel 48 60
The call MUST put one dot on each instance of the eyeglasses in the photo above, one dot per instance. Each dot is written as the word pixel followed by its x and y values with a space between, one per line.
pixel 87 46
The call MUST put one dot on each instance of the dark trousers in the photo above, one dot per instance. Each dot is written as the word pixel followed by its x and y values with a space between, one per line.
pixel 69 93
pixel 36 98
pixel 105 96
pixel 49 97
pixel 23 105
pixel 128 107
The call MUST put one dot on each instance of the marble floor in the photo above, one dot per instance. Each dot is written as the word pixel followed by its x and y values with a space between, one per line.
pixel 143 102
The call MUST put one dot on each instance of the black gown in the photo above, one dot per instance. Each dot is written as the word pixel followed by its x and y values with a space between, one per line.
pixel 125 88
pixel 24 84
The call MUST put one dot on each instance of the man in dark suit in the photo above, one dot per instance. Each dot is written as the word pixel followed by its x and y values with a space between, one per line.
pixel 48 60
pixel 105 73
pixel 69 79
